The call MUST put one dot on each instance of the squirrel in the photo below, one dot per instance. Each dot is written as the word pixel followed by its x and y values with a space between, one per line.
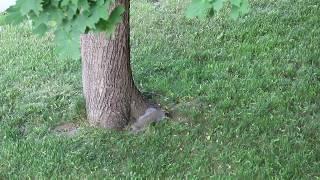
pixel 151 115
pixel 155 114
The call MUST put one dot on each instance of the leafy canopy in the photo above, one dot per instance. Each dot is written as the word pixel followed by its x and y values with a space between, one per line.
pixel 68 19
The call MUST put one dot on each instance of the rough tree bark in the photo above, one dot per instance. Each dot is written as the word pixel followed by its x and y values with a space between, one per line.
pixel 111 97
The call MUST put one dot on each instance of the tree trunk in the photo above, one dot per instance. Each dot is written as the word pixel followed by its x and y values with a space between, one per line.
pixel 110 94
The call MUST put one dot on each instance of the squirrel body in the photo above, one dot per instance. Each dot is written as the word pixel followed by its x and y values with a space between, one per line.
pixel 150 115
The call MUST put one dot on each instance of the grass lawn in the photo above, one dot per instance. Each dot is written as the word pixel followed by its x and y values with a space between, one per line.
pixel 248 95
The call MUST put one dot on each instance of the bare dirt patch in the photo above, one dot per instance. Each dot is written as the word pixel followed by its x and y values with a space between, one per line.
pixel 66 129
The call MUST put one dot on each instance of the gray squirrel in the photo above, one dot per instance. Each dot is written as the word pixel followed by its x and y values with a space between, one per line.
pixel 155 114
pixel 151 115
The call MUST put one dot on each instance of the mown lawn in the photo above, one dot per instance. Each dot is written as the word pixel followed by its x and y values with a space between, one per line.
pixel 248 95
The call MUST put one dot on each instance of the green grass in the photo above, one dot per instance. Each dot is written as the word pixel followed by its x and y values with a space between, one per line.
pixel 254 88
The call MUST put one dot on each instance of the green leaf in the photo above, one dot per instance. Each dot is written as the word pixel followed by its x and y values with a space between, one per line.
pixel 43 18
pixel 102 25
pixel 27 6
pixel 80 23
pixel 65 2
pixel 90 23
pixel 83 5
pixel 75 2
pixel 236 2
pixel 244 8
pixel 100 2
pixel 55 15
pixel 41 29
pixel 13 16
pixel 198 8
pixel 67 26
pixel 68 43
pixel 116 15
pixel 235 12
pixel 54 3
pixel 98 12
pixel 70 4
pixel 72 10
pixel 217 4
pixel 114 19
pixel 2 20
